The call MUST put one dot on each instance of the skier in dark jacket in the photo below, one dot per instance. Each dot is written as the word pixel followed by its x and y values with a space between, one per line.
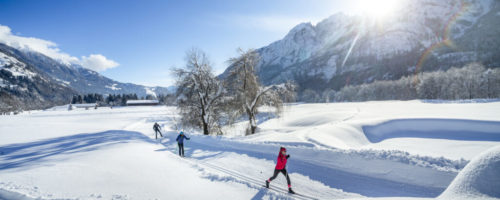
pixel 157 129
pixel 180 142
pixel 281 167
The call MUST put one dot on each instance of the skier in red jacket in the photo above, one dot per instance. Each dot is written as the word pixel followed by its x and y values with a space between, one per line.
pixel 281 167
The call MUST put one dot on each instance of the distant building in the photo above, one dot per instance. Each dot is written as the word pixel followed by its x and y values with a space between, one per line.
pixel 142 102
pixel 84 105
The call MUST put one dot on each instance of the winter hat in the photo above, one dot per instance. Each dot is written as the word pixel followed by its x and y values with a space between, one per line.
pixel 182 133
pixel 282 148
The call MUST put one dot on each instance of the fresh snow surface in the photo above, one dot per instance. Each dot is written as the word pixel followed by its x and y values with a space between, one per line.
pixel 6 60
pixel 67 82
pixel 142 101
pixel 480 179
pixel 17 68
pixel 401 149
pixel 113 87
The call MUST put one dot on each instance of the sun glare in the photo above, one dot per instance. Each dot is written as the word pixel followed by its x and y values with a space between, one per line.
pixel 378 8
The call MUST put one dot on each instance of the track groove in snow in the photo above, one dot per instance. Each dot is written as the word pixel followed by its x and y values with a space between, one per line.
pixel 240 178
pixel 54 153
pixel 330 168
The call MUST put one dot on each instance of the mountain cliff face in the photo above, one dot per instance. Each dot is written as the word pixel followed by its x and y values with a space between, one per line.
pixel 424 35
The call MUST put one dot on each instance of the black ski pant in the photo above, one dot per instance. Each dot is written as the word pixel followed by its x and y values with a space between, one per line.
pixel 181 149
pixel 156 135
pixel 277 171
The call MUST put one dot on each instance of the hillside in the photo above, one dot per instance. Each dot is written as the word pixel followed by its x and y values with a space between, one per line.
pixel 61 81
pixel 24 87
pixel 350 50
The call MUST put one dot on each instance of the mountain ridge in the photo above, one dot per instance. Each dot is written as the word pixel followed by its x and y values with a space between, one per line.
pixel 25 87
pixel 65 79
pixel 426 35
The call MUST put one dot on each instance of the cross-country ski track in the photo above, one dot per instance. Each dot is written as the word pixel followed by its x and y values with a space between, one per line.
pixel 338 151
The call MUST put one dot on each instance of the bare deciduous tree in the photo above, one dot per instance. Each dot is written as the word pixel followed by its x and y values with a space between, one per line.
pixel 246 92
pixel 200 93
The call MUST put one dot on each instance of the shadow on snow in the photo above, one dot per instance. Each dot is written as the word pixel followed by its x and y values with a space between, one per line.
pixel 451 129
pixel 334 178
pixel 15 156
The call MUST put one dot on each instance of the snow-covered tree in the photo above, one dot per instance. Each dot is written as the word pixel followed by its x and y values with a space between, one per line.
pixel 347 93
pixel 310 96
pixel 200 93
pixel 328 95
pixel 468 82
pixel 247 94
pixel 471 83
pixel 487 80
pixel 491 79
pixel 428 87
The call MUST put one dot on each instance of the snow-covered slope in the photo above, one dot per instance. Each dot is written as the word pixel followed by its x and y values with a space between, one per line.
pixel 81 79
pixel 423 35
pixel 480 179
pixel 16 68
pixel 23 86
pixel 389 125
pixel 112 154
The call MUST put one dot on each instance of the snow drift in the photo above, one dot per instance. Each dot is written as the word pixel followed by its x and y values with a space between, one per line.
pixel 479 179
pixel 451 129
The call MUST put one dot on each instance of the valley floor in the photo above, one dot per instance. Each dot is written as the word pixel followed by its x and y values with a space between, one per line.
pixel 384 149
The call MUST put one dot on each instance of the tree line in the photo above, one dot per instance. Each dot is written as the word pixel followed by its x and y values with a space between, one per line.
pixel 472 81
pixel 120 99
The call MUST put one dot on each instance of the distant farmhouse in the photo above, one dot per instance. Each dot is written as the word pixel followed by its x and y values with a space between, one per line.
pixel 142 102
pixel 84 105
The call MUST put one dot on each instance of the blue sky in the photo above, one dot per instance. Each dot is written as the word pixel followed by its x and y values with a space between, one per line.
pixel 147 38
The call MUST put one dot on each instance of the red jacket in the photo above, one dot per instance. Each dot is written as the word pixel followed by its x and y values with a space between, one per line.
pixel 282 158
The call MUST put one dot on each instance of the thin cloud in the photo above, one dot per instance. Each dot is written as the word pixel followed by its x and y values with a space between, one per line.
pixel 95 62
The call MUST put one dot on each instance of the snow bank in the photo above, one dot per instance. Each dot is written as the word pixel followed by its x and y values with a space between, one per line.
pixel 479 179
pixel 439 101
pixel 451 129
pixel 440 163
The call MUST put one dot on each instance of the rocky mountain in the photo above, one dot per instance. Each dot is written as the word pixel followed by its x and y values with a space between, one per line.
pixel 82 79
pixel 39 73
pixel 24 87
pixel 423 35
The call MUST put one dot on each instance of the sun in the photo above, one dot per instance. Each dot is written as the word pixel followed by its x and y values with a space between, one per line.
pixel 378 9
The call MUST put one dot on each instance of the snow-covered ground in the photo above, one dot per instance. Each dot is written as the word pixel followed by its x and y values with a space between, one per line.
pixel 339 150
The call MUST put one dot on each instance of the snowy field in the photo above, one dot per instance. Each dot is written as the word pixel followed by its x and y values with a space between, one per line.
pixel 404 149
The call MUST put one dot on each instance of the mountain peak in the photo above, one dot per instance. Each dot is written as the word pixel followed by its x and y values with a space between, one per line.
pixel 421 36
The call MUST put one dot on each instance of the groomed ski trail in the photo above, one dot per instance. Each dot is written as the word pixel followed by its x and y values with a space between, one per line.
pixel 345 174
pixel 243 179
